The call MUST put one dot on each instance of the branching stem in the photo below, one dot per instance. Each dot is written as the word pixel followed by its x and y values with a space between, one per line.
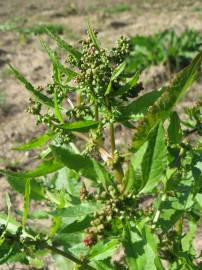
pixel 117 167
pixel 69 256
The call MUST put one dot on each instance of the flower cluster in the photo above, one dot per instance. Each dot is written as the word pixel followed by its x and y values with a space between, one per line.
pixel 117 209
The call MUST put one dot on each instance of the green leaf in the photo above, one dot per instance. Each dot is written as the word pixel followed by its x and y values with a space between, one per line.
pixel 118 70
pixel 85 166
pixel 46 167
pixel 67 240
pixel 189 237
pixel 36 143
pixel 36 94
pixel 164 105
pixel 140 106
pixel 133 179
pixel 102 265
pixel 13 225
pixel 198 199
pixel 80 126
pixel 57 109
pixel 93 37
pixel 57 65
pixel 8 203
pixel 173 208
pixel 103 250
pixel 115 74
pixel 130 84
pixel 174 129
pixel 155 159
pixel 36 192
pixel 76 226
pixel 26 202
pixel 141 249
pixel 68 180
pixel 64 45
pixel 77 211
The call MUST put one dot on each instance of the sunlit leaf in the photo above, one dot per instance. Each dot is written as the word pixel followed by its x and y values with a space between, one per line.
pixel 36 94
pixel 164 105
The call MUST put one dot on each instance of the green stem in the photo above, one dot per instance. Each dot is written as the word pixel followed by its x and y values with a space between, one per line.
pixel 117 167
pixel 112 140
pixel 78 99
pixel 69 256
pixel 45 245
pixel 96 113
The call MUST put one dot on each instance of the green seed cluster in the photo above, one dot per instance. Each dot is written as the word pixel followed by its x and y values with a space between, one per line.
pixel 116 207
pixel 95 137
pixel 95 71
pixel 121 51
pixel 79 112
pixel 34 107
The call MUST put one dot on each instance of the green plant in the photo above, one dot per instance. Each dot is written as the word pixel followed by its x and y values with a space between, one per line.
pixel 117 8
pixel 95 193
pixel 175 51
pixel 37 29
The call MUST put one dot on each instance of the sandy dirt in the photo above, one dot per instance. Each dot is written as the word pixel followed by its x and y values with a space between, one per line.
pixel 25 53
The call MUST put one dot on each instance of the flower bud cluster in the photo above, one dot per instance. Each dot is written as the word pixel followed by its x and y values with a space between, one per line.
pixel 116 207
pixel 121 51
pixel 34 107
pixel 79 112
pixel 95 70
pixel 94 140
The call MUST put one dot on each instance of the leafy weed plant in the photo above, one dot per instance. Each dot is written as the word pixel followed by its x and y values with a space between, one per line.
pixel 175 51
pixel 110 208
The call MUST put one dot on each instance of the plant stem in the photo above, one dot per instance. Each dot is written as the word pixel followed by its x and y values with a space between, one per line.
pixel 78 99
pixel 117 167
pixel 69 256
pixel 112 139
pixel 96 113
pixel 157 215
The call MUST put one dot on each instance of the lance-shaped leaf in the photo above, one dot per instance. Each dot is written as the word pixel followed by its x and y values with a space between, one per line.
pixel 77 211
pixel 64 45
pixel 57 111
pixel 93 37
pixel 13 225
pixel 103 250
pixel 115 74
pixel 81 126
pixel 46 167
pixel 133 179
pixel 140 106
pixel 164 105
pixel 36 189
pixel 130 84
pixel 36 143
pixel 35 93
pixel 154 162
pixel 141 249
pixel 174 129
pixel 85 166
pixel 174 207
pixel 57 65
